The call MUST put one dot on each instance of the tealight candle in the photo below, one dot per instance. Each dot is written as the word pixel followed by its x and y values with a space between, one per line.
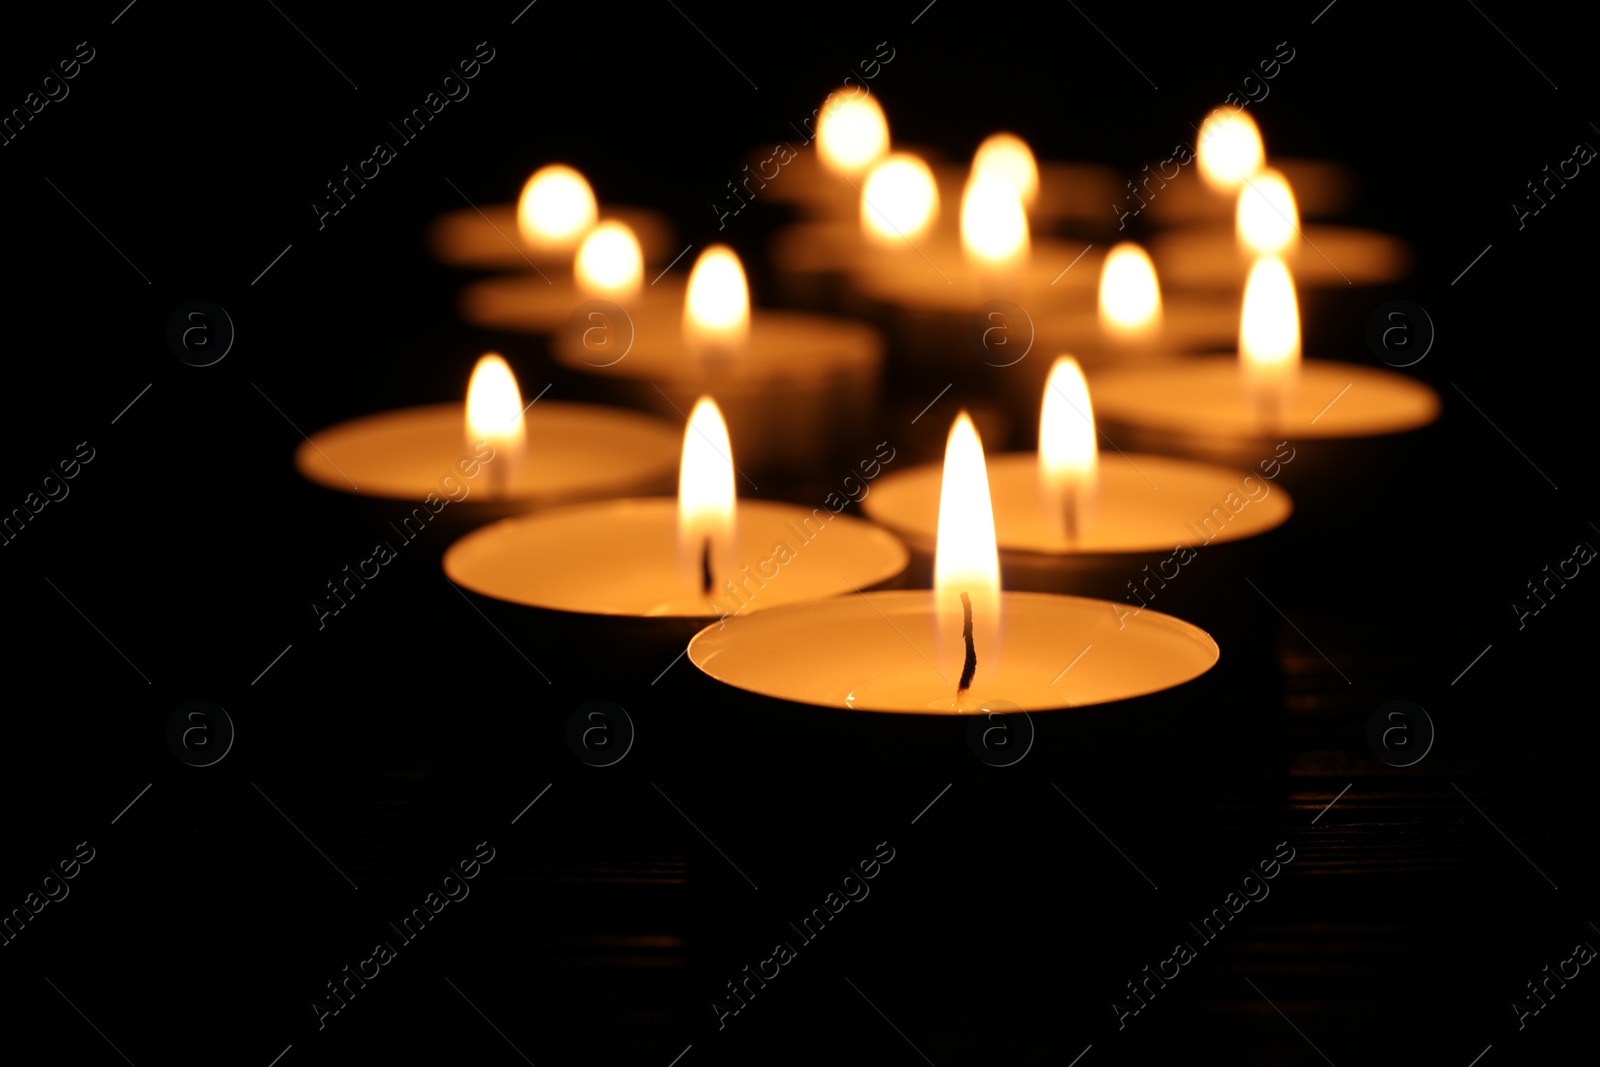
pixel 541 231
pixel 1068 519
pixel 702 556
pixel 518 456
pixel 964 646
pixel 1229 150
pixel 851 135
pixel 1267 223
pixel 1234 408
pixel 1052 192
pixel 796 387
pixel 607 273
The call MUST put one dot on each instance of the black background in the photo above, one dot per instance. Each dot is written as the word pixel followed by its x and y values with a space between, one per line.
pixel 186 555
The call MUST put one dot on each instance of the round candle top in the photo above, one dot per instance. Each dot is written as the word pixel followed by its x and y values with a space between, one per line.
pixel 942 277
pixel 1169 194
pixel 779 346
pixel 528 303
pixel 1063 190
pixel 1207 396
pixel 878 652
pixel 1145 503
pixel 572 452
pixel 621 557
pixel 488 237
pixel 1210 258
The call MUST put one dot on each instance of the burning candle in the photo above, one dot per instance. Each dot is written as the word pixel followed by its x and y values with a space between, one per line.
pixel 898 208
pixel 1071 518
pixel 508 454
pixel 1235 407
pixel 795 387
pixel 1052 192
pixel 554 213
pixel 703 555
pixel 607 277
pixel 962 647
pixel 1267 223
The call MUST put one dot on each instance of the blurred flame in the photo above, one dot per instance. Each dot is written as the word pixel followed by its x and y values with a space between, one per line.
pixel 1010 157
pixel 994 227
pixel 1068 453
pixel 1266 221
pixel 609 262
pixel 966 559
pixel 716 311
pixel 1130 296
pixel 706 500
pixel 494 409
pixel 1230 149
pixel 557 207
pixel 852 134
pixel 900 201
pixel 1269 336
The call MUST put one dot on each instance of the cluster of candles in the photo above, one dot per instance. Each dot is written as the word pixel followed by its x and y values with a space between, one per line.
pixel 796 600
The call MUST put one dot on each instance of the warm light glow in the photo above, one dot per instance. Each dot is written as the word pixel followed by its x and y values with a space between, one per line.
pixel 1230 149
pixel 1266 221
pixel 1130 297
pixel 994 228
pixel 852 134
pixel 1068 453
pixel 1010 157
pixel 966 560
pixel 610 264
pixel 494 412
pixel 556 209
pixel 706 501
pixel 1269 336
pixel 716 311
pixel 900 201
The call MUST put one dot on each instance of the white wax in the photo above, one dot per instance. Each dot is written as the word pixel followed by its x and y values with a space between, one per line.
pixel 877 652
pixel 621 558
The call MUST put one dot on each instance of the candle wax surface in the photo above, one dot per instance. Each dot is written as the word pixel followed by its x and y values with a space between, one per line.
pixel 1145 504
pixel 878 652
pixel 942 277
pixel 1321 189
pixel 527 303
pixel 621 558
pixel 1210 258
pixel 782 346
pixel 487 237
pixel 573 452
pixel 1207 396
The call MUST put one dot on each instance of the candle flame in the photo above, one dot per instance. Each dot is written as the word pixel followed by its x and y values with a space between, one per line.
pixel 966 559
pixel 557 207
pixel 1230 149
pixel 1068 452
pixel 706 501
pixel 1010 157
pixel 494 409
pixel 1269 336
pixel 1130 296
pixel 900 200
pixel 994 227
pixel 852 134
pixel 716 309
pixel 1266 221
pixel 609 262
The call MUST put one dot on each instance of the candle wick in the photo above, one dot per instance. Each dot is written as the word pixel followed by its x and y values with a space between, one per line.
pixel 970 665
pixel 1070 513
pixel 705 568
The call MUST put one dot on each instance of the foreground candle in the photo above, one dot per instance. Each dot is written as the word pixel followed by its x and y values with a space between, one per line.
pixel 543 453
pixel 964 646
pixel 703 555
